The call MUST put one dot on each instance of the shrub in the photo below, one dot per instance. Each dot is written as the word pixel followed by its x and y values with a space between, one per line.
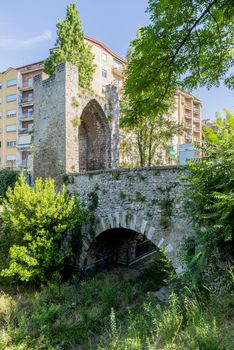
pixel 7 178
pixel 35 221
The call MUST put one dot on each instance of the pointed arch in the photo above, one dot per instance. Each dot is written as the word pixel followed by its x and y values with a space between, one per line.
pixel 94 138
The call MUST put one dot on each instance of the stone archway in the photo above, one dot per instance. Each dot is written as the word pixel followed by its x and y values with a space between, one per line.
pixel 119 246
pixel 94 138
pixel 140 226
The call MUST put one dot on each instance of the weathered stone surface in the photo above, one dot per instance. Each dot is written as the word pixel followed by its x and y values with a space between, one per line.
pixel 135 199
pixel 74 130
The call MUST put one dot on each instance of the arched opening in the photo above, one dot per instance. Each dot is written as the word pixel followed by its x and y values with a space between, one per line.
pixel 94 138
pixel 118 246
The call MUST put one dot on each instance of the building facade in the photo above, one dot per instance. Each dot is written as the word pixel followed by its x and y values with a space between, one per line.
pixel 9 100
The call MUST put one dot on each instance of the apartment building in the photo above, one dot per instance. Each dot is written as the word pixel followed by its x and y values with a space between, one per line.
pixel 187 112
pixel 16 102
pixel 9 99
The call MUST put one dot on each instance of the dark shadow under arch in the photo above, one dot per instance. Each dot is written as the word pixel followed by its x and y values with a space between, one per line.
pixel 119 246
pixel 94 139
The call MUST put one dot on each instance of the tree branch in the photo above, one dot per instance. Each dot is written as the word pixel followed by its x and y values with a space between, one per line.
pixel 192 28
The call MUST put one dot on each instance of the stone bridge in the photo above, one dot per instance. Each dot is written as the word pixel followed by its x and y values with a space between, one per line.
pixel 77 132
pixel 148 201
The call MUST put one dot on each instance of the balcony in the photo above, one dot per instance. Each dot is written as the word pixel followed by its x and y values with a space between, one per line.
pixel 188 126
pixel 188 139
pixel 27 87
pixel 196 120
pixel 118 70
pixel 188 136
pixel 26 116
pixel 196 110
pixel 24 146
pixel 196 130
pixel 188 116
pixel 26 101
pixel 188 106
pixel 24 130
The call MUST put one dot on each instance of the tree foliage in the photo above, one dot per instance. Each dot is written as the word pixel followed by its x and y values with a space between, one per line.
pixel 150 140
pixel 187 44
pixel 211 197
pixel 35 221
pixel 7 178
pixel 70 46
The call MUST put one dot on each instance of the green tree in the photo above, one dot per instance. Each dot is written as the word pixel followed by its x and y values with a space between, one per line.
pixel 150 139
pixel 187 44
pixel 70 46
pixel 210 196
pixel 35 222
pixel 7 178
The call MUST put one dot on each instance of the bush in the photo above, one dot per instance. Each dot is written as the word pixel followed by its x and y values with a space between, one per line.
pixel 35 221
pixel 7 178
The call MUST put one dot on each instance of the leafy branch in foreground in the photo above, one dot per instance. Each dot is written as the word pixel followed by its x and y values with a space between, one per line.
pixel 210 197
pixel 188 44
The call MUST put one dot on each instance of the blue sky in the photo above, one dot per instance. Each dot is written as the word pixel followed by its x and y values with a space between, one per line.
pixel 28 31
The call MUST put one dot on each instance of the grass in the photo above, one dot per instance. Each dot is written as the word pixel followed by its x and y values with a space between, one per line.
pixel 107 312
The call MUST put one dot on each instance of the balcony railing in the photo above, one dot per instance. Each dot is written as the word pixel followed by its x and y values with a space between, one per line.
pixel 24 130
pixel 196 129
pixel 27 100
pixel 196 120
pixel 188 106
pixel 24 146
pixel 196 110
pixel 27 86
pixel 117 70
pixel 26 116
pixel 188 116
pixel 188 126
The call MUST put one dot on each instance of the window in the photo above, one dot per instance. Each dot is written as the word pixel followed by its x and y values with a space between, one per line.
pixel 11 113
pixel 11 158
pixel 11 82
pixel 29 96
pixel 0 100
pixel 0 86
pixel 11 128
pixel 11 98
pixel 30 82
pixel 103 89
pixel 104 73
pixel 29 112
pixel 0 144
pixel 11 143
pixel 104 56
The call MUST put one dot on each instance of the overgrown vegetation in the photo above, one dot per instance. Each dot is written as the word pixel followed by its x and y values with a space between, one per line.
pixel 211 203
pixel 35 223
pixel 107 312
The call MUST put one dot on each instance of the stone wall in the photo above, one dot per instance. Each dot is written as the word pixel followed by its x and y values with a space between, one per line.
pixel 149 201
pixel 62 111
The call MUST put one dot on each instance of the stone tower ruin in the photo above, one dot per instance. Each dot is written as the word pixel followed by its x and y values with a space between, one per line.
pixel 74 130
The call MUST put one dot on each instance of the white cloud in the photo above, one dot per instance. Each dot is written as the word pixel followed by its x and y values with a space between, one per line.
pixel 11 43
